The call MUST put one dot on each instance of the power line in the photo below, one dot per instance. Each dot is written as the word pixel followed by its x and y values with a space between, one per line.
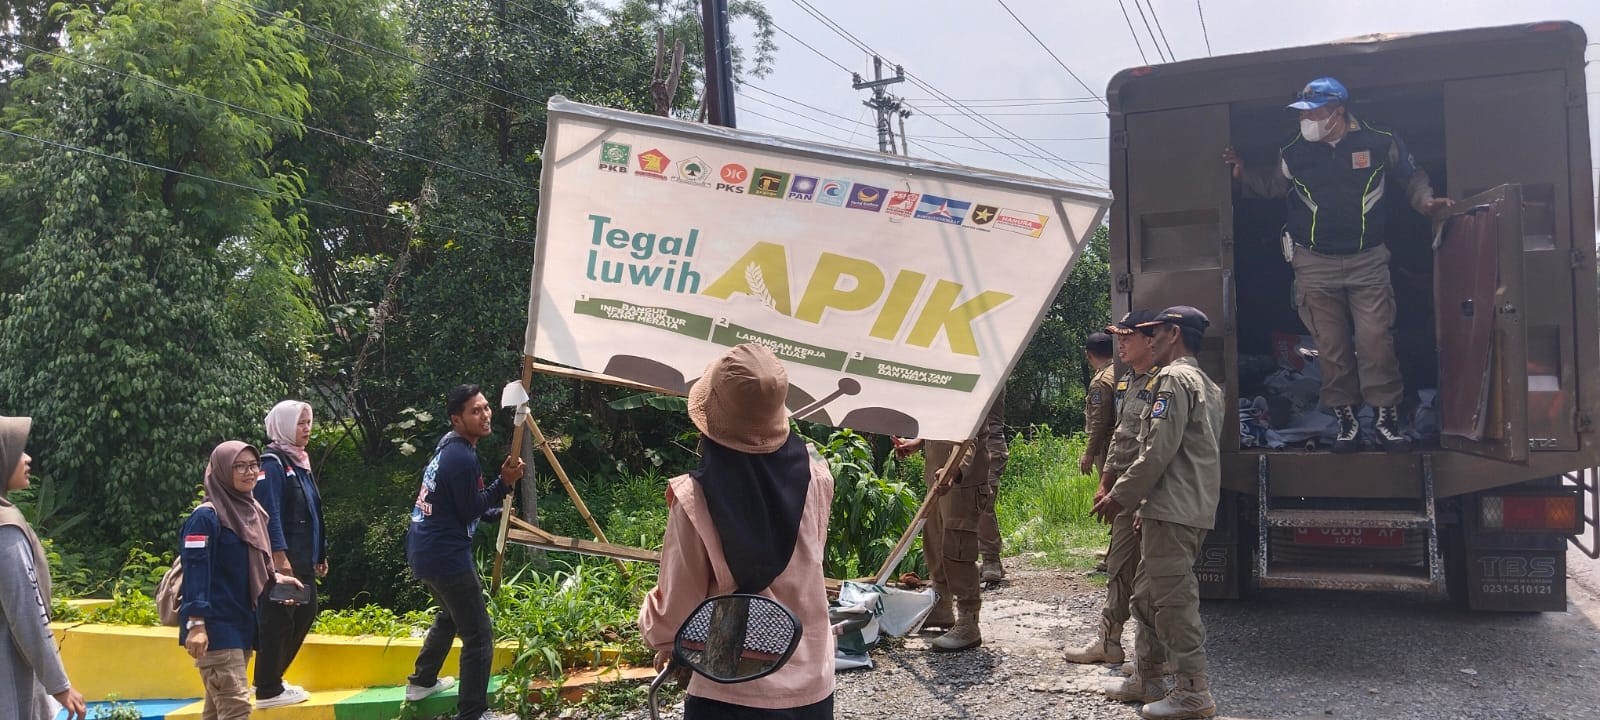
pixel 808 46
pixel 1047 49
pixel 975 149
pixel 752 86
pixel 1024 114
pixel 330 133
pixel 1133 32
pixel 1203 32
pixel 1149 31
pixel 1162 30
pixel 1022 102
pixel 859 44
pixel 241 186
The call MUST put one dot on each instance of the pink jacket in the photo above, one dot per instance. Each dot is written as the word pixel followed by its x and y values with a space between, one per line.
pixel 693 569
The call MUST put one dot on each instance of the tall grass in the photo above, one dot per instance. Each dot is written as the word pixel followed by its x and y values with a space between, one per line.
pixel 1044 502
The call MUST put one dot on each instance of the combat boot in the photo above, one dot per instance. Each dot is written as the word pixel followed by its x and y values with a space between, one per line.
pixel 992 570
pixel 1388 427
pixel 943 614
pixel 1105 648
pixel 1189 700
pixel 963 636
pixel 1349 439
pixel 1145 685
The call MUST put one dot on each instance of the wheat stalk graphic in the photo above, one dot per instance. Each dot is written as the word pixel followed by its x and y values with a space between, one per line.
pixel 758 285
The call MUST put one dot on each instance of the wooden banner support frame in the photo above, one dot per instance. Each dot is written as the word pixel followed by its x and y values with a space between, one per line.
pixel 522 532
pixel 526 533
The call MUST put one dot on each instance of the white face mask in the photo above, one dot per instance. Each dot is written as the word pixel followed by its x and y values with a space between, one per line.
pixel 1315 131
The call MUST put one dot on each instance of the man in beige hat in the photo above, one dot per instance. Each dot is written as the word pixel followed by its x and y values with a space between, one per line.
pixel 950 538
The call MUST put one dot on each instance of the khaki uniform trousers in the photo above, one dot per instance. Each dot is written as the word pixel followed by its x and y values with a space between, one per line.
pixel 227 684
pixel 1166 598
pixel 1345 296
pixel 989 526
pixel 1122 566
pixel 950 543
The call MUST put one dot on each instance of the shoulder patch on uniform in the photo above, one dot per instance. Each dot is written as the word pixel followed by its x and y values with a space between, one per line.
pixel 1122 385
pixel 1096 397
pixel 195 541
pixel 1158 409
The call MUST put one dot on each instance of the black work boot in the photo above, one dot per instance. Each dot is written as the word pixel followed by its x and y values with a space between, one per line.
pixel 1389 435
pixel 1349 439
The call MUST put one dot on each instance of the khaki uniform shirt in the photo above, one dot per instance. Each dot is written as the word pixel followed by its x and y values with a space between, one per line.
pixel 1177 476
pixel 1100 411
pixel 1135 392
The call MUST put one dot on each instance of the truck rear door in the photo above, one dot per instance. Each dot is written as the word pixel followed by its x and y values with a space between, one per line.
pixel 1179 239
pixel 1528 129
pixel 1478 301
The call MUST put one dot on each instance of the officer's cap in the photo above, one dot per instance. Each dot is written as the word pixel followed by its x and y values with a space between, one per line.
pixel 1130 322
pixel 1319 92
pixel 1184 316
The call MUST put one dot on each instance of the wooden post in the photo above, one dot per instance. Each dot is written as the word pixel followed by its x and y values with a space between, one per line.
pixel 951 466
pixel 505 505
pixel 572 492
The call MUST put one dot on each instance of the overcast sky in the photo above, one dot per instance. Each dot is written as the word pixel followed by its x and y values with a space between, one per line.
pixel 972 50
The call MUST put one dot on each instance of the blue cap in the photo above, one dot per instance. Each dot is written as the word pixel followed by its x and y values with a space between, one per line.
pixel 1319 92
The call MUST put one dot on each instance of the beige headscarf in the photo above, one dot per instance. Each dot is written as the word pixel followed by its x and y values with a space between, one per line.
pixel 13 438
pixel 240 512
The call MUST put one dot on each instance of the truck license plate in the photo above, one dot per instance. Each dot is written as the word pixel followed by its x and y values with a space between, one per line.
pixel 1351 537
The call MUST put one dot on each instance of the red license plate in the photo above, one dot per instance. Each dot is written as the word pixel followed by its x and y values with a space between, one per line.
pixel 1350 537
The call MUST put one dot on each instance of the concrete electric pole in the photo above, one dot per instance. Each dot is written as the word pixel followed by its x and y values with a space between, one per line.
pixel 883 103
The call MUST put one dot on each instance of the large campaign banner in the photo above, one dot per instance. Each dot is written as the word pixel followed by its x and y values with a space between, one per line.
pixel 898 293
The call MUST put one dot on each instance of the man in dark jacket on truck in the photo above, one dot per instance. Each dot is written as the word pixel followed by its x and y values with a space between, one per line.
pixel 1335 175
pixel 439 549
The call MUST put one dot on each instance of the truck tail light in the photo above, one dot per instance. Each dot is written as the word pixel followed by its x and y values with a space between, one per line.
pixel 1538 513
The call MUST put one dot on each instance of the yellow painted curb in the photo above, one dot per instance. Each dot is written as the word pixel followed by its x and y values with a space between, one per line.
pixel 146 663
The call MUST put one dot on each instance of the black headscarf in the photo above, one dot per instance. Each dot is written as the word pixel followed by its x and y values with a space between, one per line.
pixel 756 502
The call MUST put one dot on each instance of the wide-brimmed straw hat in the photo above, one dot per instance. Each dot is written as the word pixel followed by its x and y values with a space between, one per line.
pixel 739 401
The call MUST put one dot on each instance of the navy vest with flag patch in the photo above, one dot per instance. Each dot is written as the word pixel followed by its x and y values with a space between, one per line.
pixel 1337 199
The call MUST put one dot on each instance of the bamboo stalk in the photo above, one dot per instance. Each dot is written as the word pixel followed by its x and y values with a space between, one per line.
pixel 917 521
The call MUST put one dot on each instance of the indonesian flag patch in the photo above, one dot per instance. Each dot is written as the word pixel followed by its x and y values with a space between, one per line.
pixel 195 541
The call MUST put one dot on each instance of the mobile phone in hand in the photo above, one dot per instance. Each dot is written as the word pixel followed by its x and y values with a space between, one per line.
pixel 289 594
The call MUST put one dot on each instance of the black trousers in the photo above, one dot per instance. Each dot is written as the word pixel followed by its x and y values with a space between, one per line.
pixel 281 629
pixel 699 708
pixel 461 613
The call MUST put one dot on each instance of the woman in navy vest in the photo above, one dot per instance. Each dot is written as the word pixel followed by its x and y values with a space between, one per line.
pixel 288 492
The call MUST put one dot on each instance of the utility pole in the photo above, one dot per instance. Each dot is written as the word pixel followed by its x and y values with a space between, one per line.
pixel 719 63
pixel 882 102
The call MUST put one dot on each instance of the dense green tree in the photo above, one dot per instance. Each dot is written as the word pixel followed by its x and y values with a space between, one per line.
pixel 148 206
pixel 1048 383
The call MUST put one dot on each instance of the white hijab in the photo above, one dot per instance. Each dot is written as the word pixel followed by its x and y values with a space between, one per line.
pixel 282 428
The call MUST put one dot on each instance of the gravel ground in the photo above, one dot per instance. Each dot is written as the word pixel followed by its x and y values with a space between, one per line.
pixel 1277 655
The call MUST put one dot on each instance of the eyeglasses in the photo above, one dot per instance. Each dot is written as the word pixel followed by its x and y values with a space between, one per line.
pixel 248 467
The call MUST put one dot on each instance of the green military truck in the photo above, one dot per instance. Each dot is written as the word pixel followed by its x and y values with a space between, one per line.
pixel 1496 329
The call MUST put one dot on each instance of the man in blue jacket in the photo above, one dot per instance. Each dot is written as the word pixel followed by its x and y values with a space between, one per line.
pixel 439 549
pixel 1336 175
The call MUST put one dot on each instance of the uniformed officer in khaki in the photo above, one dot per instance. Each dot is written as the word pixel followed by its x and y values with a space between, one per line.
pixel 1174 483
pixel 1134 392
pixel 1099 406
pixel 950 536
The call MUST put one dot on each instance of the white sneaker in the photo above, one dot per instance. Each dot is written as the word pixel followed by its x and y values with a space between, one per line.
pixel 417 692
pixel 291 695
pixel 497 715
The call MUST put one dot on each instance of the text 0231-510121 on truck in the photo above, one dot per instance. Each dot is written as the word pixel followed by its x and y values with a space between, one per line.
pixel 1494 303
